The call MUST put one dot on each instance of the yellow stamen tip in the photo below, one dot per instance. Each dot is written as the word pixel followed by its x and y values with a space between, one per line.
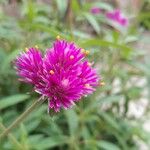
pixel 36 47
pixel 82 50
pixel 58 37
pixel 87 85
pixel 26 49
pixel 71 57
pixel 102 83
pixel 87 52
pixel 51 72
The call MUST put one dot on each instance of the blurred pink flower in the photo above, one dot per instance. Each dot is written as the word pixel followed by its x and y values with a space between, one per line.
pixel 95 10
pixel 63 76
pixel 117 16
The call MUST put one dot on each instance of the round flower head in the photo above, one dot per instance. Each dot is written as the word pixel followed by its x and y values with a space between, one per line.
pixel 117 16
pixel 63 76
pixel 95 10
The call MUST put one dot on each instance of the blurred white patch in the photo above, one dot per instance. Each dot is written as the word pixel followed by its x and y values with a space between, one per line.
pixel 146 126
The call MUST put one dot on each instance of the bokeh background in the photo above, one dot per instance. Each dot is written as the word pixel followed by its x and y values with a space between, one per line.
pixel 117 115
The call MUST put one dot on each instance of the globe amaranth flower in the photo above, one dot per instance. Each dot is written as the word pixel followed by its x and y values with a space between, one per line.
pixel 117 16
pixel 62 75
pixel 29 65
pixel 95 10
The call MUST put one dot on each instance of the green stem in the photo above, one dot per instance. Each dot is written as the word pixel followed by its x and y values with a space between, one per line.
pixel 21 117
pixel 12 138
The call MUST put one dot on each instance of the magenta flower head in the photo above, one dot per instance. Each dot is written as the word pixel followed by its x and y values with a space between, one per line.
pixel 95 10
pixel 62 75
pixel 117 16
pixel 29 66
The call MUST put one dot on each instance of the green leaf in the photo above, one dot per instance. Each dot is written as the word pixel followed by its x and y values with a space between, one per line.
pixel 131 38
pixel 110 120
pixel 50 142
pixel 30 10
pixel 34 119
pixel 103 5
pixel 143 67
pixel 33 139
pixel 61 6
pixel 103 43
pixel 6 63
pixel 48 29
pixel 76 6
pixel 134 92
pixel 85 133
pixel 110 99
pixel 33 124
pixel 81 34
pixel 107 145
pixel 92 20
pixel 23 135
pixel 12 100
pixel 42 20
pixel 72 119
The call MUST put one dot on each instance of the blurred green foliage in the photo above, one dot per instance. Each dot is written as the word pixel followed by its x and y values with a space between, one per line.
pixel 99 121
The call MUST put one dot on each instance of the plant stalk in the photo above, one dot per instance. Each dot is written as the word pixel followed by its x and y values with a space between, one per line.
pixel 21 118
pixel 12 138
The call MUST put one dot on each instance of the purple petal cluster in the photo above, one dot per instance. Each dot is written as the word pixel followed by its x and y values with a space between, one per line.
pixel 117 16
pixel 96 10
pixel 63 75
pixel 114 15
pixel 30 65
